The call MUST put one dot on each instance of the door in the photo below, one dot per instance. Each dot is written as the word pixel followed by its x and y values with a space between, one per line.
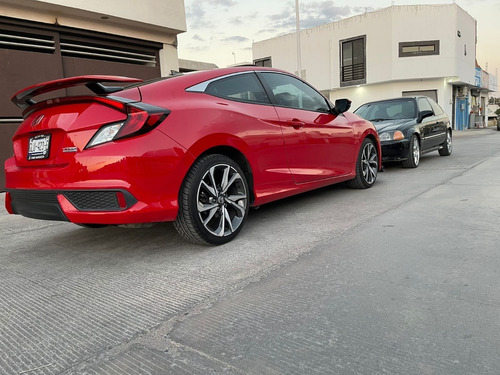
pixel 432 128
pixel 318 144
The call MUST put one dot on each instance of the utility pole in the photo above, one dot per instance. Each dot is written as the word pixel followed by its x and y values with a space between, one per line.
pixel 297 23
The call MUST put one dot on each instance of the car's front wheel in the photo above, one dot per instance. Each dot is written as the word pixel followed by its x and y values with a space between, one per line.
pixel 366 166
pixel 447 145
pixel 413 153
pixel 213 201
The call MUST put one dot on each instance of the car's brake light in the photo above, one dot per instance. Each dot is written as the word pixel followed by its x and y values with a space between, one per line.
pixel 141 118
pixel 140 122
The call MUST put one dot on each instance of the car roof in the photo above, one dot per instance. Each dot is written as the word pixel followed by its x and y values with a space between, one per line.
pixel 415 97
pixel 185 80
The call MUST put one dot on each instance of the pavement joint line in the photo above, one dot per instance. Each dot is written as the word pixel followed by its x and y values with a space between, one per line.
pixel 205 355
pixel 35 369
pixel 151 337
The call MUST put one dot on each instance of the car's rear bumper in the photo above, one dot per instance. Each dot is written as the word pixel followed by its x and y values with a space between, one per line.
pixel 69 205
pixel 99 188
pixel 395 150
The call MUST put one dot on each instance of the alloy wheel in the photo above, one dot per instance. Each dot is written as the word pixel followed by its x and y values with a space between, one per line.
pixel 222 200
pixel 449 143
pixel 369 161
pixel 416 152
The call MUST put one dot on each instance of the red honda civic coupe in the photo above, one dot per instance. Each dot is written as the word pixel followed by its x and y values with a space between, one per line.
pixel 197 149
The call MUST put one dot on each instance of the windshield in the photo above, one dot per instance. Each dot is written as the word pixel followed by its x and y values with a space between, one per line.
pixel 388 110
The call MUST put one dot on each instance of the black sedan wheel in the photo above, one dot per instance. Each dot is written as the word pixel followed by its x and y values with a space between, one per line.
pixel 213 202
pixel 414 153
pixel 447 145
pixel 366 166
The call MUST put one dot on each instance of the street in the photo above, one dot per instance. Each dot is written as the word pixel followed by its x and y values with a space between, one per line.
pixel 397 279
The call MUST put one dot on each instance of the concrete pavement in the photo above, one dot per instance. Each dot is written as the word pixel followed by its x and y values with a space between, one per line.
pixel 400 278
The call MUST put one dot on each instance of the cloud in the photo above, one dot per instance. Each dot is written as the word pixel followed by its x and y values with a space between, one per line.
pixel 196 12
pixel 223 3
pixel 196 16
pixel 313 14
pixel 236 20
pixel 198 38
pixel 267 31
pixel 237 39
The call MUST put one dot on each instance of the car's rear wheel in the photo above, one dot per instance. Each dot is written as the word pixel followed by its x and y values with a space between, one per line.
pixel 413 153
pixel 366 166
pixel 213 201
pixel 447 145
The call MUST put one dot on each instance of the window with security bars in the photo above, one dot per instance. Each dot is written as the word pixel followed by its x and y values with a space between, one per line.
pixel 353 61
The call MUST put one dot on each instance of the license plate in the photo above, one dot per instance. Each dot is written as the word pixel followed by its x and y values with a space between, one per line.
pixel 39 147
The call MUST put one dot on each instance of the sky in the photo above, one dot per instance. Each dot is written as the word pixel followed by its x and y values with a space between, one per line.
pixel 222 31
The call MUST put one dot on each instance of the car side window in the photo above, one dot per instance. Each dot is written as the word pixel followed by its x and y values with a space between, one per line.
pixel 424 105
pixel 437 109
pixel 293 93
pixel 241 87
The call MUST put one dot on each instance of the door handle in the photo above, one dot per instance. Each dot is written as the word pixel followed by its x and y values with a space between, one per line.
pixel 296 123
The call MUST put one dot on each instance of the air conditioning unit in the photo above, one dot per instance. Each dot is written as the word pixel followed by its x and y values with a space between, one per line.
pixel 475 93
pixel 462 91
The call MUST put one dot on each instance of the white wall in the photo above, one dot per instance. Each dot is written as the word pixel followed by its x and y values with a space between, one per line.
pixel 394 89
pixel 387 73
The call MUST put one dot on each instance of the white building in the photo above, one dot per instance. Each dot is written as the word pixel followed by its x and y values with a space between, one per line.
pixel 399 50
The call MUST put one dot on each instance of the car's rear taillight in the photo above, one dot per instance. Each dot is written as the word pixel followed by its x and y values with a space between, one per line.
pixel 141 118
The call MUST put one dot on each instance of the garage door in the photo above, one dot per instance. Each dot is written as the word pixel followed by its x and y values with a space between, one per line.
pixel 31 53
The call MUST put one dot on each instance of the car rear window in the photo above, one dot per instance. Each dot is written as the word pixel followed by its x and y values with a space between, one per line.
pixel 241 87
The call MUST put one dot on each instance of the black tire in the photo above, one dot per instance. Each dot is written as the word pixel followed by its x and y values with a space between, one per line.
pixel 366 166
pixel 414 153
pixel 447 148
pixel 209 212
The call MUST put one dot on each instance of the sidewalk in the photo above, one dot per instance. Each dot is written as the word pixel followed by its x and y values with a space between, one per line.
pixel 469 132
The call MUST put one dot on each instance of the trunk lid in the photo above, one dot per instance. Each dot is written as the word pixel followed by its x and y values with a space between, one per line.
pixel 55 129
pixel 52 134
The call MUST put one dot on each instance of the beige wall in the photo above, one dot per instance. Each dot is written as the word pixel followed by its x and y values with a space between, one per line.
pixel 151 20
pixel 144 15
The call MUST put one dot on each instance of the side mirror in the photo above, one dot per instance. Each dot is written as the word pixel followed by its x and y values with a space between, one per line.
pixel 423 115
pixel 341 106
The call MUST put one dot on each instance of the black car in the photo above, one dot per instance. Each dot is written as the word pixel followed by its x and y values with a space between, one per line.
pixel 409 127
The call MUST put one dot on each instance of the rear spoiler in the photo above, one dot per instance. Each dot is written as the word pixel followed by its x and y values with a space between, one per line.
pixel 24 98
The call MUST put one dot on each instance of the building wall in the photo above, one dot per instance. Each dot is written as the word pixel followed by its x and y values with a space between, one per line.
pixel 394 89
pixel 165 14
pixel 150 20
pixel 387 74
